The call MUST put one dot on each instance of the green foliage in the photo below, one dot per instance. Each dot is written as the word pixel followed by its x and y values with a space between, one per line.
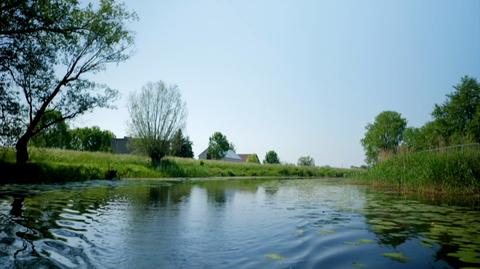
pixel 457 121
pixel 385 134
pixel 459 115
pixel 426 137
pixel 271 157
pixel 56 135
pixel 10 116
pixel 474 126
pixel 218 145
pixel 91 139
pixel 181 146
pixel 253 158
pixel 306 161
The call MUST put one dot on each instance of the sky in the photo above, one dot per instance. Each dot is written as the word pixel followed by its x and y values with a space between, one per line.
pixel 298 77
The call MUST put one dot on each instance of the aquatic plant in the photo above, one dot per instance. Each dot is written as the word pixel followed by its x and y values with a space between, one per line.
pixel 274 256
pixel 396 256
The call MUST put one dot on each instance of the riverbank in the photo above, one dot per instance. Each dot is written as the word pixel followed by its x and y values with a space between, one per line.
pixel 449 171
pixel 55 165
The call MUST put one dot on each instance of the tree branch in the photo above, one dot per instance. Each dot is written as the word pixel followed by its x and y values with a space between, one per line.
pixel 11 32
pixel 63 118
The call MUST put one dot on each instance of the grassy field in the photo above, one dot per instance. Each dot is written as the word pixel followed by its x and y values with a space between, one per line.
pixel 451 171
pixel 48 165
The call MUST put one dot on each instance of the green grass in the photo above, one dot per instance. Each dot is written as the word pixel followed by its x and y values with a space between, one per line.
pixel 48 165
pixel 453 171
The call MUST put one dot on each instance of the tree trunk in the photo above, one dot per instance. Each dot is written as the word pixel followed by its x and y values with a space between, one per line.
pixel 156 159
pixel 22 151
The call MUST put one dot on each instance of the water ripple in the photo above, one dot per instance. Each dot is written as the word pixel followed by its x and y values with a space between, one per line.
pixel 230 224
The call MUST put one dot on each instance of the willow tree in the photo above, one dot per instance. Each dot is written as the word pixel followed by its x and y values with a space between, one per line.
pixel 47 49
pixel 157 112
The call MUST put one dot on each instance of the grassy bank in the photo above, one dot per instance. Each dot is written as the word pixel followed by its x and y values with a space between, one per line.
pixel 48 165
pixel 453 171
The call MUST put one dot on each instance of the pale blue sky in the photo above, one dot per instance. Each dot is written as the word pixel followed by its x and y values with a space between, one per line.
pixel 299 77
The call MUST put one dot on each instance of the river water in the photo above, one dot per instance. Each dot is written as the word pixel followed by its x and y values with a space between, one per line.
pixel 272 223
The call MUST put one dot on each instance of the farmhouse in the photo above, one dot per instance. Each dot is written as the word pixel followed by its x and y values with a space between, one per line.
pixel 120 145
pixel 230 156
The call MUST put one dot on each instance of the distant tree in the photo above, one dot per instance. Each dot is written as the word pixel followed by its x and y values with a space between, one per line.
pixel 218 146
pixel 91 139
pixel 47 50
pixel 271 158
pixel 56 135
pixel 157 112
pixel 426 137
pixel 253 158
pixel 458 117
pixel 306 161
pixel 430 136
pixel 181 146
pixel 384 135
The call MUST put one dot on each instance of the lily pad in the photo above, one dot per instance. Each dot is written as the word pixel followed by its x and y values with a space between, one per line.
pixel 467 255
pixel 274 257
pixel 359 242
pixel 359 265
pixel 426 244
pixel 396 256
pixel 325 232
pixel 364 241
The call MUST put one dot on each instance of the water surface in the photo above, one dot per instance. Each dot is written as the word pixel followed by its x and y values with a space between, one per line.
pixel 314 223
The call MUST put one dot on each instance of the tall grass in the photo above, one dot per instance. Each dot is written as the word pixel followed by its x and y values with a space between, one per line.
pixel 205 168
pixel 450 171
pixel 48 165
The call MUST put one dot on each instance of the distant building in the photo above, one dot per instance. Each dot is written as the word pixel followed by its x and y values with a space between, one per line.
pixel 245 157
pixel 120 145
pixel 230 156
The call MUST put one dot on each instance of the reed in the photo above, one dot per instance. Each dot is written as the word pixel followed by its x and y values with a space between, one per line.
pixel 446 171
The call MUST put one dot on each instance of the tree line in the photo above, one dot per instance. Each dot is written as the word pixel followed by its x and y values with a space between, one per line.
pixel 61 136
pixel 456 121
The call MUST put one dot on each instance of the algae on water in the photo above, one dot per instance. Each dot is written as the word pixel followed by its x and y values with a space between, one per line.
pixel 274 256
pixel 396 256
pixel 359 242
pixel 326 232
